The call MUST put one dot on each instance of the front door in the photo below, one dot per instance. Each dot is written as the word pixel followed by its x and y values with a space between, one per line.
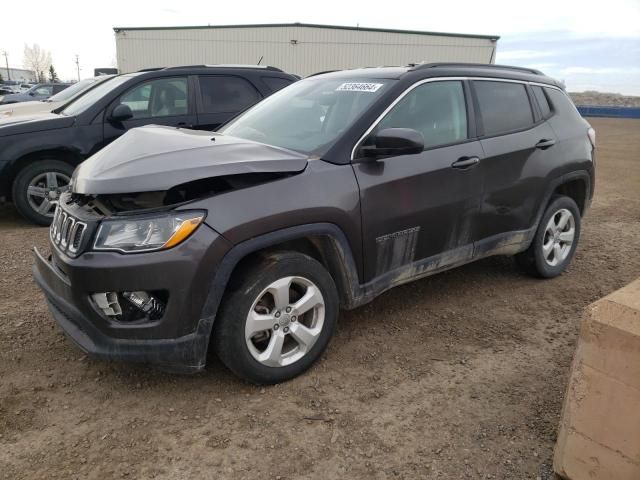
pixel 160 101
pixel 422 206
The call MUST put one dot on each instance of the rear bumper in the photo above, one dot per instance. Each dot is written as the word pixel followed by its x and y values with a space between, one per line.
pixel 178 341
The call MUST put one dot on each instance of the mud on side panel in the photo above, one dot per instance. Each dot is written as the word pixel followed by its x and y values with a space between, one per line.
pixel 396 249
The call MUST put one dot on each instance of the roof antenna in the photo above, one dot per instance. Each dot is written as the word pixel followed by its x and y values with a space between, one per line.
pixel 260 60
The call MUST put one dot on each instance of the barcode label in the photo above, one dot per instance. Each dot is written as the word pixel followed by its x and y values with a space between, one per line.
pixel 359 87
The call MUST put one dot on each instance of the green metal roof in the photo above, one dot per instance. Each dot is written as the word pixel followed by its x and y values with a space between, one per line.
pixel 311 25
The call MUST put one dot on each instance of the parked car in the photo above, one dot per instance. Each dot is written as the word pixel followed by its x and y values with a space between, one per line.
pixel 39 152
pixel 41 91
pixel 51 103
pixel 12 86
pixel 320 197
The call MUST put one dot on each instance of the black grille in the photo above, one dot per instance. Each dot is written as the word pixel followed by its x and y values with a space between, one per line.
pixel 66 232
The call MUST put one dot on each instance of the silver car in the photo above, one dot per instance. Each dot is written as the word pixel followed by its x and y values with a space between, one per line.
pixel 41 91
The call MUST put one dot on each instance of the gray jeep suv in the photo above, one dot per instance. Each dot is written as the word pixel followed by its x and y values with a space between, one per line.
pixel 320 197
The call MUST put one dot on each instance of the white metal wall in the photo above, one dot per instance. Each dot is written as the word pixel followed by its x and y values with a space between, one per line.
pixel 295 49
pixel 19 74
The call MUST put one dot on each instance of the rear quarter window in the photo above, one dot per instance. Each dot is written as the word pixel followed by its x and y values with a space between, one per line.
pixel 561 103
pixel 504 106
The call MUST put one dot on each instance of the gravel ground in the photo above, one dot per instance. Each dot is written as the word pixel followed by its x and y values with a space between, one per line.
pixel 460 375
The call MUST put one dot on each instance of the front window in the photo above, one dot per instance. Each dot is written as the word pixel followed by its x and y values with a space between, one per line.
pixel 435 109
pixel 162 97
pixel 43 91
pixel 83 102
pixel 309 115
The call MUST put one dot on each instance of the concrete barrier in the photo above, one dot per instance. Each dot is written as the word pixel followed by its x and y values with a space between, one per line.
pixel 599 436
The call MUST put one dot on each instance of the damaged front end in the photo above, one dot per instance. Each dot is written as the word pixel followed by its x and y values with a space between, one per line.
pixel 122 280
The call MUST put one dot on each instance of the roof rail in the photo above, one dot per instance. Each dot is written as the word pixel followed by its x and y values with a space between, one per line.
pixel 226 65
pixel 150 69
pixel 422 66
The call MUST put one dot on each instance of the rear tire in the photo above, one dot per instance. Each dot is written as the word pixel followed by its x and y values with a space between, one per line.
pixel 277 319
pixel 555 241
pixel 38 186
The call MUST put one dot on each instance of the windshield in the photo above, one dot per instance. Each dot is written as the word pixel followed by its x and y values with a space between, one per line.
pixel 69 92
pixel 309 115
pixel 83 102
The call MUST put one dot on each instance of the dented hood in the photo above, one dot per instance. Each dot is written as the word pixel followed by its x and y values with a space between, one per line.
pixel 155 158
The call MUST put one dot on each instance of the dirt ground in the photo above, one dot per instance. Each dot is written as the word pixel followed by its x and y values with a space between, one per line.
pixel 457 376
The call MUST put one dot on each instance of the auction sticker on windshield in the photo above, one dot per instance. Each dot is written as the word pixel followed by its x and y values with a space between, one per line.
pixel 359 87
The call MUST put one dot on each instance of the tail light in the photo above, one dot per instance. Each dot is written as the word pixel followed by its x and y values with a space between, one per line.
pixel 592 136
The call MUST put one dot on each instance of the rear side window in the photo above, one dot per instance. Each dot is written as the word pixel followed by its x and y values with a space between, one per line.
pixel 504 106
pixel 435 109
pixel 276 83
pixel 226 94
pixel 543 103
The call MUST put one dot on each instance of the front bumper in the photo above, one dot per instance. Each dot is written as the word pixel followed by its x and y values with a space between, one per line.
pixel 178 341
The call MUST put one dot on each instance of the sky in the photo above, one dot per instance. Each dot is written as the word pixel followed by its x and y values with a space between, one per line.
pixel 590 45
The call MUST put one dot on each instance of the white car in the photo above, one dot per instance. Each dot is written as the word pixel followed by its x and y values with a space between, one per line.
pixel 53 102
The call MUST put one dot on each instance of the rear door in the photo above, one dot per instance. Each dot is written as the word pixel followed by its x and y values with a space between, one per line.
pixel 221 97
pixel 423 205
pixel 158 101
pixel 519 152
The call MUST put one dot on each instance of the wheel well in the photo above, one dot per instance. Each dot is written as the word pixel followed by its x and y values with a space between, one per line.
pixel 322 248
pixel 575 189
pixel 59 154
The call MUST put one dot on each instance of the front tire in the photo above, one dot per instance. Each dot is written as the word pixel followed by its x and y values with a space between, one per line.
pixel 277 319
pixel 555 241
pixel 38 186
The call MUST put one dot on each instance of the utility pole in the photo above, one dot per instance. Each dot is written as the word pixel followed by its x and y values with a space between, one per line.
pixel 6 59
pixel 78 66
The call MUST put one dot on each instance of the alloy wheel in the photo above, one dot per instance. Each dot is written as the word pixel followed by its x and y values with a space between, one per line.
pixel 285 321
pixel 44 191
pixel 558 238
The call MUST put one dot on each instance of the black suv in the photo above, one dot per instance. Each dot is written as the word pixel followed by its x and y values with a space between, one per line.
pixel 320 197
pixel 38 153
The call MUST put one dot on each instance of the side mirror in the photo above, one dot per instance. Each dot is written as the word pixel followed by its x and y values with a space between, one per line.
pixel 121 113
pixel 33 94
pixel 394 141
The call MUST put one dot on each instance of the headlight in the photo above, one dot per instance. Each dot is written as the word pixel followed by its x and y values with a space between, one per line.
pixel 146 234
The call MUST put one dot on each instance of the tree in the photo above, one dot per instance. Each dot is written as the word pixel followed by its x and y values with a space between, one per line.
pixel 37 59
pixel 53 75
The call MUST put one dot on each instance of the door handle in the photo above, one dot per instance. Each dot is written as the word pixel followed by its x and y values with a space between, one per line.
pixel 544 144
pixel 465 162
